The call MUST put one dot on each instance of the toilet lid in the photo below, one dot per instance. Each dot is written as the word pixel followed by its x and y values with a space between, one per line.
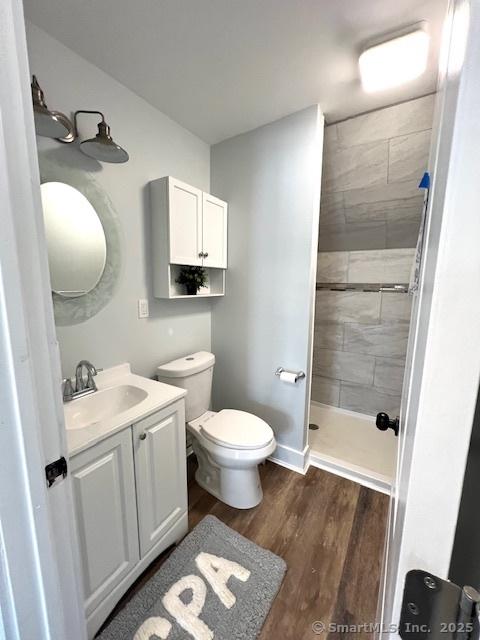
pixel 237 429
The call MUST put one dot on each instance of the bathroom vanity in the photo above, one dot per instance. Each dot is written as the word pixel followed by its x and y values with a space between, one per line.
pixel 128 469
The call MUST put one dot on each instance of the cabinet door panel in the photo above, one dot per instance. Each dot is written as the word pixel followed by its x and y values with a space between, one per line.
pixel 106 515
pixel 185 223
pixel 214 232
pixel 160 471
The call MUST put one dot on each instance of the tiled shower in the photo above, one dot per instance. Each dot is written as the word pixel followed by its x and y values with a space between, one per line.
pixel 370 214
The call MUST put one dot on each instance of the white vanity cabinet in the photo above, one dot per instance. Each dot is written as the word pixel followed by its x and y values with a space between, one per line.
pixel 130 498
pixel 106 515
pixel 189 227
pixel 160 473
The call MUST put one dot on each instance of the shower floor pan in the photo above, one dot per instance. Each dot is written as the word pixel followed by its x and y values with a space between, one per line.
pixel 349 445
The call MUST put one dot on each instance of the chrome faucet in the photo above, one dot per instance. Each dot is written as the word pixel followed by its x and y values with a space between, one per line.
pixel 91 371
pixel 82 388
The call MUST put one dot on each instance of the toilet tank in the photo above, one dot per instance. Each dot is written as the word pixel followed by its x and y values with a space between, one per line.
pixel 193 373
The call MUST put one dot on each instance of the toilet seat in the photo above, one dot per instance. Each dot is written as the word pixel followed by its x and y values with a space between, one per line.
pixel 236 429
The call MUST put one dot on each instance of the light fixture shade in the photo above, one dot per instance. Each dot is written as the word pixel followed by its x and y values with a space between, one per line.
pixel 394 62
pixel 51 124
pixel 102 147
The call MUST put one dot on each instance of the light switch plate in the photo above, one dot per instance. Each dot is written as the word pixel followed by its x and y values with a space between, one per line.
pixel 143 311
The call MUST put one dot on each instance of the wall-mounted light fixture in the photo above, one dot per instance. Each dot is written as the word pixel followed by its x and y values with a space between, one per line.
pixel 393 62
pixel 51 124
pixel 101 147
pixel 54 124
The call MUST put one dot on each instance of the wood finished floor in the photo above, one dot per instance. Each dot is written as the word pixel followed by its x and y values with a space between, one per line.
pixel 329 531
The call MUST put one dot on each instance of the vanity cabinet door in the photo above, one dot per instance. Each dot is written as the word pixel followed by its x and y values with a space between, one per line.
pixel 214 232
pixel 106 515
pixel 160 472
pixel 185 223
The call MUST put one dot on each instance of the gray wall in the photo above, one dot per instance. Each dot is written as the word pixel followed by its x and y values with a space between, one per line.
pixel 157 147
pixel 270 178
pixel 372 166
pixel 361 337
pixel 369 219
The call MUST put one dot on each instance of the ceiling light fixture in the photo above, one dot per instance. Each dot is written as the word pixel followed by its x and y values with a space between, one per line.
pixel 54 124
pixel 394 62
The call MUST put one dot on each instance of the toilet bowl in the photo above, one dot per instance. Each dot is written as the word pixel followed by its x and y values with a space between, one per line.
pixel 230 444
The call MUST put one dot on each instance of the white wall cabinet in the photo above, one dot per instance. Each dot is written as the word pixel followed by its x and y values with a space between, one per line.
pixel 214 231
pixel 189 227
pixel 185 223
pixel 130 497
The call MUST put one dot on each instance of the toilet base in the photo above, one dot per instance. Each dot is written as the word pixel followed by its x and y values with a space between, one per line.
pixel 239 488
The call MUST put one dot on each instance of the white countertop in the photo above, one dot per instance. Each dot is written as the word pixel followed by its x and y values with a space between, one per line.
pixel 158 396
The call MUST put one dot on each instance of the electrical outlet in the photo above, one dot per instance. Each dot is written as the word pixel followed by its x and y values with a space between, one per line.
pixel 143 311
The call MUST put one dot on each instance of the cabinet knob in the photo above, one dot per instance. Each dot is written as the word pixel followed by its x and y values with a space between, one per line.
pixel 143 436
pixel 201 254
pixel 205 255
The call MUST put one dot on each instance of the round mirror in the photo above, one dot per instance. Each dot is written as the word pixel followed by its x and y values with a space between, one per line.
pixel 77 248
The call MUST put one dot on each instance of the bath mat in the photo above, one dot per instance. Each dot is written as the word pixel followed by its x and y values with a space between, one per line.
pixel 216 585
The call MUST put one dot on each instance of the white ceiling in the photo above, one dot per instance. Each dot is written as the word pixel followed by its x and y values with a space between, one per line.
pixel 221 67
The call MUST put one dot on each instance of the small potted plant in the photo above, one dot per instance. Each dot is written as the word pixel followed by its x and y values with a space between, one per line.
pixel 193 278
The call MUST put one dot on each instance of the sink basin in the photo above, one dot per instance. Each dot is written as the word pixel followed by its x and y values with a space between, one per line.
pixel 102 405
pixel 122 400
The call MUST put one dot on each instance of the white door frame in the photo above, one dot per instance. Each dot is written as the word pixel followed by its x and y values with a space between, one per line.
pixel 443 360
pixel 40 591
pixel 40 595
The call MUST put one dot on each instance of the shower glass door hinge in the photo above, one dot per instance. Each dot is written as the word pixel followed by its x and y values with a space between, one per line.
pixel 437 609
pixel 56 469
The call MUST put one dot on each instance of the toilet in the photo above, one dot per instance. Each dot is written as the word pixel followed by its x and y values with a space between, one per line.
pixel 230 444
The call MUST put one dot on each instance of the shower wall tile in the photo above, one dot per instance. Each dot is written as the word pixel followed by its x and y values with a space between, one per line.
pixel 386 339
pixel 351 236
pixel 403 211
pixel 341 365
pixel 347 306
pixel 332 209
pixel 393 202
pixel 326 390
pixel 369 219
pixel 388 266
pixel 330 139
pixel 408 156
pixel 389 374
pixel 402 234
pixel 328 336
pixel 368 400
pixel 401 119
pixel 396 307
pixel 332 266
pixel 407 209
pixel 364 186
pixel 353 167
pixel 382 194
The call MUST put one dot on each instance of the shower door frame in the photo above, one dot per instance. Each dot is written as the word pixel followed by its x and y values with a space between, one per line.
pixel 443 361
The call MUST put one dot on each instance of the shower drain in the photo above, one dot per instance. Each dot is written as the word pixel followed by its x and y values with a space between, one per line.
pixel 313 426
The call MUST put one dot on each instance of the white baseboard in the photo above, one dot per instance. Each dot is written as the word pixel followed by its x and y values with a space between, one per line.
pixel 291 458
